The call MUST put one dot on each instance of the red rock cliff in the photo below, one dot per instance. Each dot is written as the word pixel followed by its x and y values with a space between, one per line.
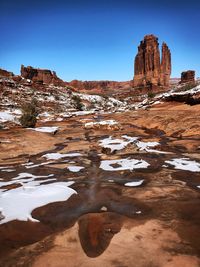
pixel 40 75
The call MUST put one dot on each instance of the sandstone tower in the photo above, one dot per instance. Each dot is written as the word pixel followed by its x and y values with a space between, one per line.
pixel 149 69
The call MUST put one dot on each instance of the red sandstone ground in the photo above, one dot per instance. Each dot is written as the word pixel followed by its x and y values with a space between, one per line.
pixel 99 226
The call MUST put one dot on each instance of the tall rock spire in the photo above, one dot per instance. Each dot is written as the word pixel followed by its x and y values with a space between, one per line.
pixel 148 68
pixel 165 65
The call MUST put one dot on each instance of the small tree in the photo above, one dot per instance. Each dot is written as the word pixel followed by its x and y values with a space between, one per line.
pixel 77 102
pixel 29 114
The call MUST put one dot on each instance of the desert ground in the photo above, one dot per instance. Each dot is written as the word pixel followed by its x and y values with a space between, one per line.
pixel 134 190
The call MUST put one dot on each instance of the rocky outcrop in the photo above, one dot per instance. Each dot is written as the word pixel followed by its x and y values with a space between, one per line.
pixel 148 68
pixel 5 73
pixel 40 75
pixel 188 76
pixel 188 98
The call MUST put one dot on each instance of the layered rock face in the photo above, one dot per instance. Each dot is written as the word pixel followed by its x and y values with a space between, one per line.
pixel 40 75
pixel 149 69
pixel 188 76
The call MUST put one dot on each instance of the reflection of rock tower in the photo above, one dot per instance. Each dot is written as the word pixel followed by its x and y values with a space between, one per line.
pixel 148 70
pixel 96 231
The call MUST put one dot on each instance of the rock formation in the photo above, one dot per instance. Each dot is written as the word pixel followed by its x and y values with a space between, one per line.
pixel 148 68
pixel 165 65
pixel 40 75
pixel 5 73
pixel 188 76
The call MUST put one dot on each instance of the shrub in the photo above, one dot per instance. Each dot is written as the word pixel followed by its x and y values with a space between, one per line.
pixel 151 95
pixel 77 102
pixel 29 114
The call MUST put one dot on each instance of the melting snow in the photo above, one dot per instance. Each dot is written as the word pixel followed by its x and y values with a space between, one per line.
pixel 59 155
pixel 107 122
pixel 134 183
pixel 75 168
pixel 185 164
pixel 118 144
pixel 18 203
pixel 124 164
pixel 26 179
pixel 145 145
pixel 113 144
pixel 6 116
pixel 45 129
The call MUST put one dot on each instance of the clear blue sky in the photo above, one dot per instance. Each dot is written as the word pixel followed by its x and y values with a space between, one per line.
pixel 96 40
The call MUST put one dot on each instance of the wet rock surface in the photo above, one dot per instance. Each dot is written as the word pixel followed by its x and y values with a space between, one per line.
pixel 107 223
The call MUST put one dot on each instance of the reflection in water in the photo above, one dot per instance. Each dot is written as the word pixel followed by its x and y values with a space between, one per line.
pixel 96 231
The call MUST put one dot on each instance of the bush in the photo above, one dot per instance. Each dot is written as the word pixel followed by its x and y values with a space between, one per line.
pixel 29 114
pixel 77 102
pixel 151 95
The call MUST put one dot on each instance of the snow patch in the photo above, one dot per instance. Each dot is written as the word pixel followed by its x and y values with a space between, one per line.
pixel 18 203
pixel 123 164
pixel 56 156
pixel 106 122
pixel 134 183
pixel 185 164
pixel 45 129
pixel 75 168
pixel 6 116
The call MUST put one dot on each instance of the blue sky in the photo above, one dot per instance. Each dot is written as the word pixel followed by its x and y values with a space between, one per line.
pixel 96 40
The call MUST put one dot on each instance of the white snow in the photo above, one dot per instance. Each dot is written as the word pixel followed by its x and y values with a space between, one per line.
pixel 134 183
pixel 6 116
pixel 124 164
pixel 56 156
pixel 18 203
pixel 138 212
pixel 113 144
pixel 75 168
pixel 185 164
pixel 26 179
pixel 106 122
pixel 116 144
pixel 146 145
pixel 52 129
pixel 81 113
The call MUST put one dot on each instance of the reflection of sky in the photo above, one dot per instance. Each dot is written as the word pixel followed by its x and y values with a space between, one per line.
pixel 91 40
